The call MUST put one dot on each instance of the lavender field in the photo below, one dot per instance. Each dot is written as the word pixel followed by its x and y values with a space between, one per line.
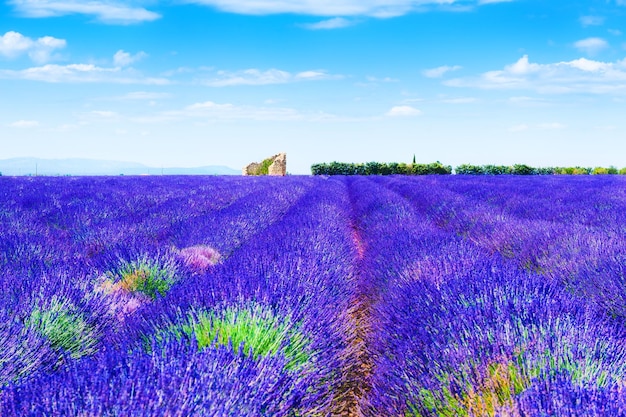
pixel 312 296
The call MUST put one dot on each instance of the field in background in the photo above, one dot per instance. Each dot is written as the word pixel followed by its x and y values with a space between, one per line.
pixel 312 296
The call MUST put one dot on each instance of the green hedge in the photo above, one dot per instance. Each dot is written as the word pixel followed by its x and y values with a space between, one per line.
pixel 380 168
pixel 520 169
pixel 437 168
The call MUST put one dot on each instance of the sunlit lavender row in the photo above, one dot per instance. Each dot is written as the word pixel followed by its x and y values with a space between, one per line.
pixel 313 296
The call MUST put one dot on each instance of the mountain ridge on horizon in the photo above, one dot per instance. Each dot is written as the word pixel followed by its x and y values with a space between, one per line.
pixel 27 166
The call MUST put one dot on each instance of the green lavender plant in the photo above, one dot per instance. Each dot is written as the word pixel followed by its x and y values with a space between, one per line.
pixel 256 331
pixel 64 328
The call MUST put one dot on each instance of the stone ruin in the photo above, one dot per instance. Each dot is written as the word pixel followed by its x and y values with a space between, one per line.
pixel 277 166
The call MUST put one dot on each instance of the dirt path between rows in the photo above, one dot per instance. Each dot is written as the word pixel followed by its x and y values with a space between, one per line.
pixel 355 384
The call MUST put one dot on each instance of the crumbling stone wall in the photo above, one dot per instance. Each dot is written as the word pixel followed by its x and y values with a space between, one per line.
pixel 252 169
pixel 279 166
pixel 274 165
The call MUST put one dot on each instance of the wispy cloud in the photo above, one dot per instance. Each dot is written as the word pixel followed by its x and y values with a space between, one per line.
pixel 107 114
pixel 24 124
pixel 591 46
pixel 551 126
pixel 525 101
pixel 257 77
pixel 210 111
pixel 541 126
pixel 143 95
pixel 403 111
pixel 373 8
pixel 106 11
pixel 440 71
pixel 372 79
pixel 578 76
pixel 586 21
pixel 81 73
pixel 460 100
pixel 41 50
pixel 124 59
pixel 334 23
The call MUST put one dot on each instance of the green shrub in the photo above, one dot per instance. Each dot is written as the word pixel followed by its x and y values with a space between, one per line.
pixel 622 171
pixel 265 166
pixel 573 170
pixel 467 169
pixel 373 168
pixel 256 330
pixel 545 171
pixel 497 169
pixel 521 169
pixel 145 275
pixel 64 328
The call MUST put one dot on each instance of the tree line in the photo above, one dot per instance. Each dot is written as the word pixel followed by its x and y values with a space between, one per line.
pixel 437 168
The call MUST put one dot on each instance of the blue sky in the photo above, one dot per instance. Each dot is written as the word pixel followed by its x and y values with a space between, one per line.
pixel 225 82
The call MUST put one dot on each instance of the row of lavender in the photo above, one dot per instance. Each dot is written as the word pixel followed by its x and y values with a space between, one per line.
pixel 173 296
pixel 309 296
pixel 497 297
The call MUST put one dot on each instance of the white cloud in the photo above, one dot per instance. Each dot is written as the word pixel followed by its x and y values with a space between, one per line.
pixel 373 8
pixel 382 80
pixel 14 44
pixel 615 32
pixel 540 126
pixel 591 45
pixel 143 95
pixel 523 67
pixel 182 70
pixel 106 11
pixel 403 111
pixel 460 100
pixel 257 77
pixel 81 73
pixel 107 114
pixel 313 75
pixel 440 71
pixel 578 76
pixel 551 126
pixel 334 23
pixel 249 77
pixel 526 101
pixel 24 124
pixel 124 59
pixel 591 21
pixel 210 111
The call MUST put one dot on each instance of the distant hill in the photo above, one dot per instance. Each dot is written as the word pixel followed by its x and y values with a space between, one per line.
pixel 77 166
